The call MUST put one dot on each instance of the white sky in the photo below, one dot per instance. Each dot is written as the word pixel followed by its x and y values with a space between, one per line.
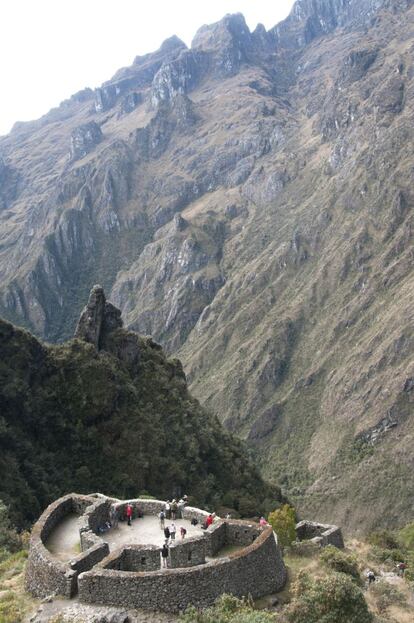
pixel 49 49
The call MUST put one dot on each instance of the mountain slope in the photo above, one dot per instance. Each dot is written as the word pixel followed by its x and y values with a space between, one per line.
pixel 108 411
pixel 248 202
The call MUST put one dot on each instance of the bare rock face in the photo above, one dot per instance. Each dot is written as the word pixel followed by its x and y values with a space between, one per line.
pixel 90 322
pixel 84 139
pixel 97 319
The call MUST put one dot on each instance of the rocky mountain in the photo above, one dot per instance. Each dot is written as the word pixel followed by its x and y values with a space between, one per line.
pixel 108 410
pixel 248 202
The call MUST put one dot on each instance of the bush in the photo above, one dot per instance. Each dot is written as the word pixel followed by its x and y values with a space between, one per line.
pixel 329 600
pixel 383 539
pixel 338 561
pixel 283 522
pixel 228 609
pixel 388 555
pixel 385 595
pixel 9 539
pixel 406 536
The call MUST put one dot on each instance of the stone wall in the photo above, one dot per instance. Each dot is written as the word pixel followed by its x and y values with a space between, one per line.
pixel 215 537
pixel 241 532
pixel 146 507
pixel 323 534
pixel 45 574
pixel 134 558
pixel 87 560
pixel 188 552
pixel 97 514
pixel 131 577
pixel 194 513
pixel 258 570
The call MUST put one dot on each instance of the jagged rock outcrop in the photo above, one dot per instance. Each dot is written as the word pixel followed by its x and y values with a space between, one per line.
pixel 98 318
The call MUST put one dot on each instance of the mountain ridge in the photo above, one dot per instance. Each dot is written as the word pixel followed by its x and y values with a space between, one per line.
pixel 247 202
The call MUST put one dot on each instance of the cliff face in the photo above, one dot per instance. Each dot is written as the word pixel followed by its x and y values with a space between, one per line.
pixel 248 202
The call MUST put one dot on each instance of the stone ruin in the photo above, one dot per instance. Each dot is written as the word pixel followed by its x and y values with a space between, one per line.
pixel 319 534
pixel 130 576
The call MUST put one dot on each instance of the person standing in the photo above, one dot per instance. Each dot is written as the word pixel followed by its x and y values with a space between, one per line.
pixel 168 510
pixel 174 508
pixel 167 534
pixel 162 520
pixel 129 513
pixel 164 555
pixel 183 532
pixel 173 530
pixel 113 517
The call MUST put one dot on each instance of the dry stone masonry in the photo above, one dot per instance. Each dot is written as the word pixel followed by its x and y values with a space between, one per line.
pixel 320 534
pixel 131 576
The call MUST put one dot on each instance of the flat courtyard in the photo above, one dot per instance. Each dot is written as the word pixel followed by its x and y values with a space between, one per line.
pixel 64 542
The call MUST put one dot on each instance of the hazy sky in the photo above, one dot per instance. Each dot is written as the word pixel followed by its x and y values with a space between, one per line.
pixel 49 49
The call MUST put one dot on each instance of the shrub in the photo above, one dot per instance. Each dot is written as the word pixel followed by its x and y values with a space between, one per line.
pixel 388 555
pixel 328 600
pixel 406 536
pixel 338 561
pixel 9 539
pixel 385 595
pixel 283 522
pixel 228 609
pixel 383 539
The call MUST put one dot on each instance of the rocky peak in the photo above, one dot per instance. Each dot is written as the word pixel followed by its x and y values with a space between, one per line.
pixel 98 318
pixel 312 18
pixel 228 40
pixel 232 28
pixel 172 43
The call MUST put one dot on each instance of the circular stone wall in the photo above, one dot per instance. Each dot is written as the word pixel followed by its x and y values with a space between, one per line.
pixel 130 576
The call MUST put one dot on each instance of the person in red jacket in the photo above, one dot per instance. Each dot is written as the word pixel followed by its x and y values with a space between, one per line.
pixel 209 520
pixel 129 513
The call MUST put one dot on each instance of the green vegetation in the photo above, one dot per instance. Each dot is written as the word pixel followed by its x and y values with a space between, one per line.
pixel 13 602
pixel 339 561
pixel 283 522
pixel 323 600
pixel 384 539
pixel 74 419
pixel 385 595
pixel 406 537
pixel 327 600
pixel 228 609
pixel 10 541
